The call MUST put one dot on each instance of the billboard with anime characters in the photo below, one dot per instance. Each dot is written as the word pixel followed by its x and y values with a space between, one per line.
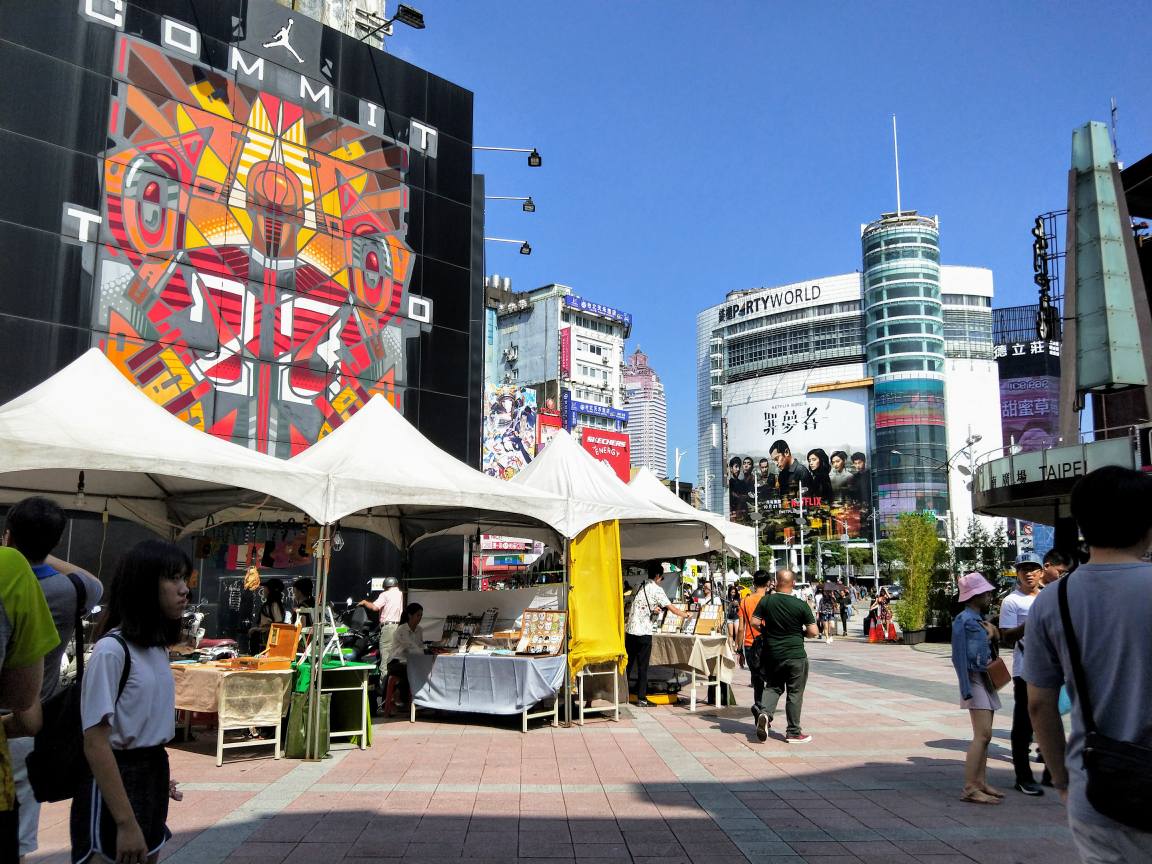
pixel 811 447
pixel 509 440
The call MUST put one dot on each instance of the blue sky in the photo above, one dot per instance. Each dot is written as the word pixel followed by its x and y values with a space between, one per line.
pixel 693 149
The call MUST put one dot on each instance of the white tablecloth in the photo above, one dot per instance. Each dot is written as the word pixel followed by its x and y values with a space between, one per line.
pixel 485 684
pixel 706 655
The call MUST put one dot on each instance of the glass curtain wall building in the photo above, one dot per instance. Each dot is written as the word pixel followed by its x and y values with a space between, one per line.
pixel 904 346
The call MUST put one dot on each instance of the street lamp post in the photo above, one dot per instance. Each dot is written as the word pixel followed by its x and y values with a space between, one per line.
pixel 534 160
pixel 678 454
pixel 803 526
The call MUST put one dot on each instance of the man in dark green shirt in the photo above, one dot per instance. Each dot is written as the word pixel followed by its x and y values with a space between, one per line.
pixel 784 621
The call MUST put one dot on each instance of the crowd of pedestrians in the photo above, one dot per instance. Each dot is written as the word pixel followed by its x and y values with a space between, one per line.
pixel 119 782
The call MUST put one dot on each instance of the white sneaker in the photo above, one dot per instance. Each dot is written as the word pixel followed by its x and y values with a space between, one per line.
pixel 829 640
pixel 762 727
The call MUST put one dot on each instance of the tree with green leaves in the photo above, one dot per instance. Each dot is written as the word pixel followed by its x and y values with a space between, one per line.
pixel 920 550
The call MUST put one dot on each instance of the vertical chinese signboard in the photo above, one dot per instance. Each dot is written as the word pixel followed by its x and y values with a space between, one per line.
pixel 566 352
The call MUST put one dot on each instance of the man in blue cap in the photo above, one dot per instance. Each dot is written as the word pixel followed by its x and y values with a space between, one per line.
pixel 1013 621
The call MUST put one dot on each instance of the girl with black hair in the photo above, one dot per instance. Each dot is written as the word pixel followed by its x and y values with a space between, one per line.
pixel 271 612
pixel 128 710
pixel 303 602
pixel 821 470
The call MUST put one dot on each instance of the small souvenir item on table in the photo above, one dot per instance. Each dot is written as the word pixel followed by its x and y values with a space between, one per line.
pixel 542 632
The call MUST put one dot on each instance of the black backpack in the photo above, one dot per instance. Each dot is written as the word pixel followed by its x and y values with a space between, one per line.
pixel 57 765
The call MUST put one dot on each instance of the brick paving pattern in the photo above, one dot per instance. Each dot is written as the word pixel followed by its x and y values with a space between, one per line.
pixel 879 783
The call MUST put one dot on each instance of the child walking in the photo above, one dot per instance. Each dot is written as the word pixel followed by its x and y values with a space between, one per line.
pixel 972 639
pixel 128 709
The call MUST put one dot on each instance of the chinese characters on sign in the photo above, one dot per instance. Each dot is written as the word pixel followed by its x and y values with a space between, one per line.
pixel 1021 349
pixel 599 309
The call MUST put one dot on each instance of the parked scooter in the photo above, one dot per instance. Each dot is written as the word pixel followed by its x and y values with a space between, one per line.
pixel 192 635
pixel 361 644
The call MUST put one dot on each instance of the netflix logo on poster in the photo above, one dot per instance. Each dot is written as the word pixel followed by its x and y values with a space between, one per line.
pixel 611 448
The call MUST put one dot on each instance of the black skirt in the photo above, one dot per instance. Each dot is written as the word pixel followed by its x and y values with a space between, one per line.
pixel 144 772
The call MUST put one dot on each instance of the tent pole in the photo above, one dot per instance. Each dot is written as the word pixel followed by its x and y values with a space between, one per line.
pixel 322 557
pixel 567 638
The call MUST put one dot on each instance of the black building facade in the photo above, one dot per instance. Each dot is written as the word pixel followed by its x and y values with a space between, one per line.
pixel 261 221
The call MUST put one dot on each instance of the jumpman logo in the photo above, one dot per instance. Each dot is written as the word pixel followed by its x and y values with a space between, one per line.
pixel 280 40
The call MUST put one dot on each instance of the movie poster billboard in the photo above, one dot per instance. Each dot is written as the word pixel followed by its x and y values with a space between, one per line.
pixel 813 447
pixel 611 448
pixel 1030 411
pixel 509 440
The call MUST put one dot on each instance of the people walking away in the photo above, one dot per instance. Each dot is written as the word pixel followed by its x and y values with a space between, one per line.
pixel 784 621
pixel 828 609
pixel 34 527
pixel 751 645
pixel 1014 611
pixel 973 641
pixel 1091 630
pixel 128 710
pixel 389 603
pixel 27 635
pixel 650 600
pixel 844 601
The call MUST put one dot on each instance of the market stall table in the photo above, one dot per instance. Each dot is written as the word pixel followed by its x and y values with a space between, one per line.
pixel 707 656
pixel 486 683
pixel 241 699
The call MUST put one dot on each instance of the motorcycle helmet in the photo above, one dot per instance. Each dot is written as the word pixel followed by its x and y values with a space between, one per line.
pixel 390 582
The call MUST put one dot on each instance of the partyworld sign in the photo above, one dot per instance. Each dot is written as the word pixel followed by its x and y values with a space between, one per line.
pixel 771 300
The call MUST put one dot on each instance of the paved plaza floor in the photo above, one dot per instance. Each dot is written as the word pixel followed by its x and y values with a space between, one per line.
pixel 879 783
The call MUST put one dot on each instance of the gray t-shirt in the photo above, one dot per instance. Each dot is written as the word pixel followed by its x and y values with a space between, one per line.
pixel 61 596
pixel 1111 607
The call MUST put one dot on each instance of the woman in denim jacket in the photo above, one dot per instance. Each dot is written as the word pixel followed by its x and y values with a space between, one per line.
pixel 972 638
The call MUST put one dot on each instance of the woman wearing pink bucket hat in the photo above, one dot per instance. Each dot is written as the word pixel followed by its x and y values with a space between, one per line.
pixel 972 640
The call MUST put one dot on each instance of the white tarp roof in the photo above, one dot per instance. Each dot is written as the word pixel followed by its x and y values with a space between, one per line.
pixel 741 538
pixel 147 465
pixel 595 494
pixel 403 486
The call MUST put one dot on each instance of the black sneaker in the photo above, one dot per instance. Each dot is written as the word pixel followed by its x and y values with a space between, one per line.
pixel 762 726
pixel 1029 788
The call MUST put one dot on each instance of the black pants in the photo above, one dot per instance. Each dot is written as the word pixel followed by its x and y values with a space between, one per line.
pixel 757 679
pixel 639 650
pixel 782 676
pixel 844 621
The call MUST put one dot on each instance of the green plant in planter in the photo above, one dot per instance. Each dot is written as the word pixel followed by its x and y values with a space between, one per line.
pixel 920 549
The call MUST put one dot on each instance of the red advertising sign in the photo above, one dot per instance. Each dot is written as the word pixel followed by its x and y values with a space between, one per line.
pixel 547 425
pixel 566 352
pixel 611 448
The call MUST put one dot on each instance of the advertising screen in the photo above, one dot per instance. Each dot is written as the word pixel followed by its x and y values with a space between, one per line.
pixel 509 441
pixel 809 446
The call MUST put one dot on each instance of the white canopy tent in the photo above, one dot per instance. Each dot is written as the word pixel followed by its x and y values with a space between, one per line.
pixel 385 476
pixel 739 538
pixel 138 461
pixel 595 494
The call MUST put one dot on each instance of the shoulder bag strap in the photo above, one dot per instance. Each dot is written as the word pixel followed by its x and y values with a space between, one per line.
pixel 78 622
pixel 1074 657
pixel 127 665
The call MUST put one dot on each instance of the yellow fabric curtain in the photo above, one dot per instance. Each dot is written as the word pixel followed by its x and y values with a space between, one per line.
pixel 596 601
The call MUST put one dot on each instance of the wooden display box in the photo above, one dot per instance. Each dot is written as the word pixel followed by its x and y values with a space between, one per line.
pixel 278 654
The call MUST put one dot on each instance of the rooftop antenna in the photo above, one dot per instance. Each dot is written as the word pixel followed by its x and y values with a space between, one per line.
pixel 896 151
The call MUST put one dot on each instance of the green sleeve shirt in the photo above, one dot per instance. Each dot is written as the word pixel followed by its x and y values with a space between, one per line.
pixel 785 617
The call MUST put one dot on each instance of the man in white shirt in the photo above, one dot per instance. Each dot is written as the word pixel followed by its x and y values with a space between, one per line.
pixel 650 599
pixel 704 596
pixel 1013 620
pixel 390 604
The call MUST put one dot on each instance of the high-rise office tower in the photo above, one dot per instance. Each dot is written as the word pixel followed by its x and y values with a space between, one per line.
pixel 647 414
pixel 904 348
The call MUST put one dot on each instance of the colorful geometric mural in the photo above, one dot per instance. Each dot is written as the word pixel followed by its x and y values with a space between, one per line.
pixel 252 271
